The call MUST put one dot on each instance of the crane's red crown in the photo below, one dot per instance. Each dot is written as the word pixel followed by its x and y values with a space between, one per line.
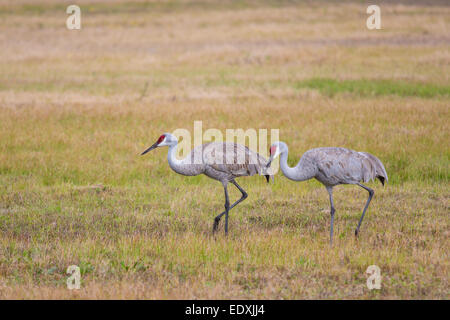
pixel 160 139
pixel 272 150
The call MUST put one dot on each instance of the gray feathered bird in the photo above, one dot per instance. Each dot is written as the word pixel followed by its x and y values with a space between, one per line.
pixel 220 161
pixel 332 166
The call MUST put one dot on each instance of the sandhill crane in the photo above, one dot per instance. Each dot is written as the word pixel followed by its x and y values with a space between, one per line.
pixel 220 161
pixel 332 166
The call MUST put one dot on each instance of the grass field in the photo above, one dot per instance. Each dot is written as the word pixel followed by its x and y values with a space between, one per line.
pixel 77 108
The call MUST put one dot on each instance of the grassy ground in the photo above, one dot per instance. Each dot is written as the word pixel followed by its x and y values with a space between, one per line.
pixel 77 108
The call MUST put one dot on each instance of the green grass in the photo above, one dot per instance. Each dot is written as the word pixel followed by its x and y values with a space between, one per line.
pixel 374 87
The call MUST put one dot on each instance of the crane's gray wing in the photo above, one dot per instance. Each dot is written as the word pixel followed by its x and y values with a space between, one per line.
pixel 340 165
pixel 234 159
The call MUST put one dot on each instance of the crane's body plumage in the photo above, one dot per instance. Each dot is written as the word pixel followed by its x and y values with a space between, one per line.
pixel 220 161
pixel 332 166
pixel 226 161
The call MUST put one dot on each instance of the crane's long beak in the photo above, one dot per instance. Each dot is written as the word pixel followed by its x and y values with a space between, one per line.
pixel 154 146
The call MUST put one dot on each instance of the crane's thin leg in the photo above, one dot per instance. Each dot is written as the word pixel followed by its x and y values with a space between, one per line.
pixel 227 208
pixel 244 196
pixel 371 192
pixel 330 192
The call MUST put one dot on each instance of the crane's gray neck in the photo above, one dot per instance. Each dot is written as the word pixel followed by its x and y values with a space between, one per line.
pixel 301 172
pixel 184 166
pixel 174 163
pixel 287 171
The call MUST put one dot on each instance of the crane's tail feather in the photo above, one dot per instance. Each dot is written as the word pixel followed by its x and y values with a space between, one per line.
pixel 380 171
pixel 267 171
pixel 268 178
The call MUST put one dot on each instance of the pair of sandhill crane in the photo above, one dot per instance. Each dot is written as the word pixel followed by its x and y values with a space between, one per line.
pixel 226 161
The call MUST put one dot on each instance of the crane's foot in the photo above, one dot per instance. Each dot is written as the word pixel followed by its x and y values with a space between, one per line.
pixel 356 233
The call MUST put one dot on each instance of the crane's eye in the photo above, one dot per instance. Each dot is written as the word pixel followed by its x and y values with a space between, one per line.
pixel 161 139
